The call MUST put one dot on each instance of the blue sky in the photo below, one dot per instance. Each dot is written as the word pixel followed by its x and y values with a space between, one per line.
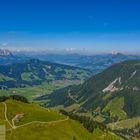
pixel 72 25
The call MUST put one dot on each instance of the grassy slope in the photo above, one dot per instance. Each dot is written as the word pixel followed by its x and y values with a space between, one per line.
pixel 1 111
pixel 2 117
pixel 32 112
pixel 116 107
pixel 62 131
pixel 65 130
pixel 26 76
pixel 4 78
pixel 129 123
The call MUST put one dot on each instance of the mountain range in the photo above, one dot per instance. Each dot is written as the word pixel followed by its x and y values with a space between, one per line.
pixel 8 57
pixel 96 63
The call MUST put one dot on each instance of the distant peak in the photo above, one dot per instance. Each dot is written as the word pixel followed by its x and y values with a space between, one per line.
pixel 4 52
pixel 119 54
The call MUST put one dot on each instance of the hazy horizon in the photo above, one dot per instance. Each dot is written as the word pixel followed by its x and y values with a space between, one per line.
pixel 66 51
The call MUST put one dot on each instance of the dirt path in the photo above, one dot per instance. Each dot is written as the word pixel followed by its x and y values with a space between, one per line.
pixel 51 122
pixel 5 114
pixel 13 126
pixel 13 123
pixel 76 101
pixel 45 108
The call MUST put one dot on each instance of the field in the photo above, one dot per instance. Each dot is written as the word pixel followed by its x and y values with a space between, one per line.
pixel 116 107
pixel 128 123
pixel 44 124
pixel 31 92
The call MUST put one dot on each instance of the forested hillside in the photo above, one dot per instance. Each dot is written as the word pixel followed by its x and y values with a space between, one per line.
pixel 34 72
pixel 112 94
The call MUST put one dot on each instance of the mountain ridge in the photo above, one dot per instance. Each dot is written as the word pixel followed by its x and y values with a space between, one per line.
pixel 119 84
pixel 5 52
pixel 96 63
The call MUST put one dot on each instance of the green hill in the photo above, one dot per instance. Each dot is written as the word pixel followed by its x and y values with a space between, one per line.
pixel 29 121
pixel 35 72
pixel 113 94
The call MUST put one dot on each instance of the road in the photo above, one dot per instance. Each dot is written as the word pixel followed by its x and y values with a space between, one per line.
pixel 76 101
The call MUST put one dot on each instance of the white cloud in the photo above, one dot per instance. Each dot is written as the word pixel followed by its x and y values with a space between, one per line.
pixel 70 49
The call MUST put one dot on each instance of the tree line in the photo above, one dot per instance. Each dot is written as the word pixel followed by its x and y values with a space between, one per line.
pixel 87 122
pixel 14 97
pixel 130 133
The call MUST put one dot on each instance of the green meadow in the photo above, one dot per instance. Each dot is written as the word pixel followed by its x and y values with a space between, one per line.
pixel 39 123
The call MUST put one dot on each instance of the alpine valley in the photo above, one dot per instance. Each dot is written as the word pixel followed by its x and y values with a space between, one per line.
pixel 59 98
